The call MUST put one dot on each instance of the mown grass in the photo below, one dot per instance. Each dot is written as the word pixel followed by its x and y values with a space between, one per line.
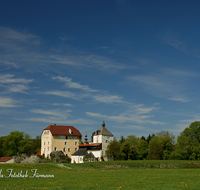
pixel 103 177
pixel 137 164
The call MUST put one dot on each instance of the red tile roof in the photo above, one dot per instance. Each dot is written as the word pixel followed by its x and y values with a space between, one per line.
pixel 63 130
pixel 39 153
pixel 4 159
pixel 93 144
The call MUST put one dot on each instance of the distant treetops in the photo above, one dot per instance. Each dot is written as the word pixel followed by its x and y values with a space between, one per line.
pixel 159 146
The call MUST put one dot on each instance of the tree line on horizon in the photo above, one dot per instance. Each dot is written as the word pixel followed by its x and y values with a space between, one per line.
pixel 159 146
pixel 17 143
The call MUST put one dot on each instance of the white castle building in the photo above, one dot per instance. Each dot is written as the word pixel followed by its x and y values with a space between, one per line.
pixel 96 150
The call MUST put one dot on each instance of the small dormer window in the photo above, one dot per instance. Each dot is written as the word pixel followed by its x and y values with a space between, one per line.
pixel 70 131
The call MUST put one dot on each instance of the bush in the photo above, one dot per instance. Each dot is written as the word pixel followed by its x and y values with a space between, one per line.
pixel 25 159
pixel 59 157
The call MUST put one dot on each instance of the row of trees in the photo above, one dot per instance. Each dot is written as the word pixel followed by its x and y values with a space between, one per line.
pixel 159 146
pixel 17 143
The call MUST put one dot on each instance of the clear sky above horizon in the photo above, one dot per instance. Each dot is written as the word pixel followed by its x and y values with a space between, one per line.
pixel 133 64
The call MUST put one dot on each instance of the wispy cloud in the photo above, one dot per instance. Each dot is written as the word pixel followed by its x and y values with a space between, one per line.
pixel 59 104
pixel 8 34
pixel 12 84
pixel 87 92
pixel 8 78
pixel 168 83
pixel 173 39
pixel 76 85
pixel 108 98
pixel 127 117
pixel 57 113
pixel 26 47
pixel 91 61
pixel 65 94
pixel 7 102
pixel 59 121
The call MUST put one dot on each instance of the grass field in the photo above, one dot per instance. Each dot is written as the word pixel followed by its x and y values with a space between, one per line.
pixel 106 175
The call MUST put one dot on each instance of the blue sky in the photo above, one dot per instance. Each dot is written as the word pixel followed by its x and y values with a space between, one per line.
pixel 133 64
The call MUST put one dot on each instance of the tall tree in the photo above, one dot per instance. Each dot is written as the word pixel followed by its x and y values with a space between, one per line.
pixel 16 142
pixel 142 149
pixel 155 149
pixel 129 147
pixel 166 134
pixel 113 150
pixel 193 131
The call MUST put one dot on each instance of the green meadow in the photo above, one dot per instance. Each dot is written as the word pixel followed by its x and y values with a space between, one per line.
pixel 104 175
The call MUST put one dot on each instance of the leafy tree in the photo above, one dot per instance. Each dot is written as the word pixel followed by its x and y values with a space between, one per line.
pixel 150 137
pixel 18 142
pixel 188 143
pixel 1 146
pixel 186 148
pixel 129 148
pixel 143 149
pixel 166 134
pixel 122 140
pixel 143 138
pixel 12 143
pixel 86 158
pixel 155 149
pixel 113 150
pixel 193 131
pixel 168 147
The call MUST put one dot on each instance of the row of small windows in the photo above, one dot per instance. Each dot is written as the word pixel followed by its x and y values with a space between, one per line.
pixel 64 143
pixel 64 149
pixel 64 137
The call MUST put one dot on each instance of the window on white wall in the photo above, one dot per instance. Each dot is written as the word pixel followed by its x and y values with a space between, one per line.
pixel 44 149
pixel 55 148
pixel 48 148
pixel 68 149
pixel 44 143
pixel 63 149
pixel 65 143
pixel 48 143
pixel 75 149
pixel 75 143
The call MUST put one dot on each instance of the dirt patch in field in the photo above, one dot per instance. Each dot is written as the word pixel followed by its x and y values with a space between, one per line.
pixel 62 166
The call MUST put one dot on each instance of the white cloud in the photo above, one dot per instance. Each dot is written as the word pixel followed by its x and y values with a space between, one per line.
pixel 59 104
pixel 65 94
pixel 14 36
pixel 126 118
pixel 58 113
pixel 108 98
pixel 70 84
pixel 169 83
pixel 130 127
pixel 173 40
pixel 8 78
pixel 14 84
pixel 59 121
pixel 7 102
pixel 92 61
